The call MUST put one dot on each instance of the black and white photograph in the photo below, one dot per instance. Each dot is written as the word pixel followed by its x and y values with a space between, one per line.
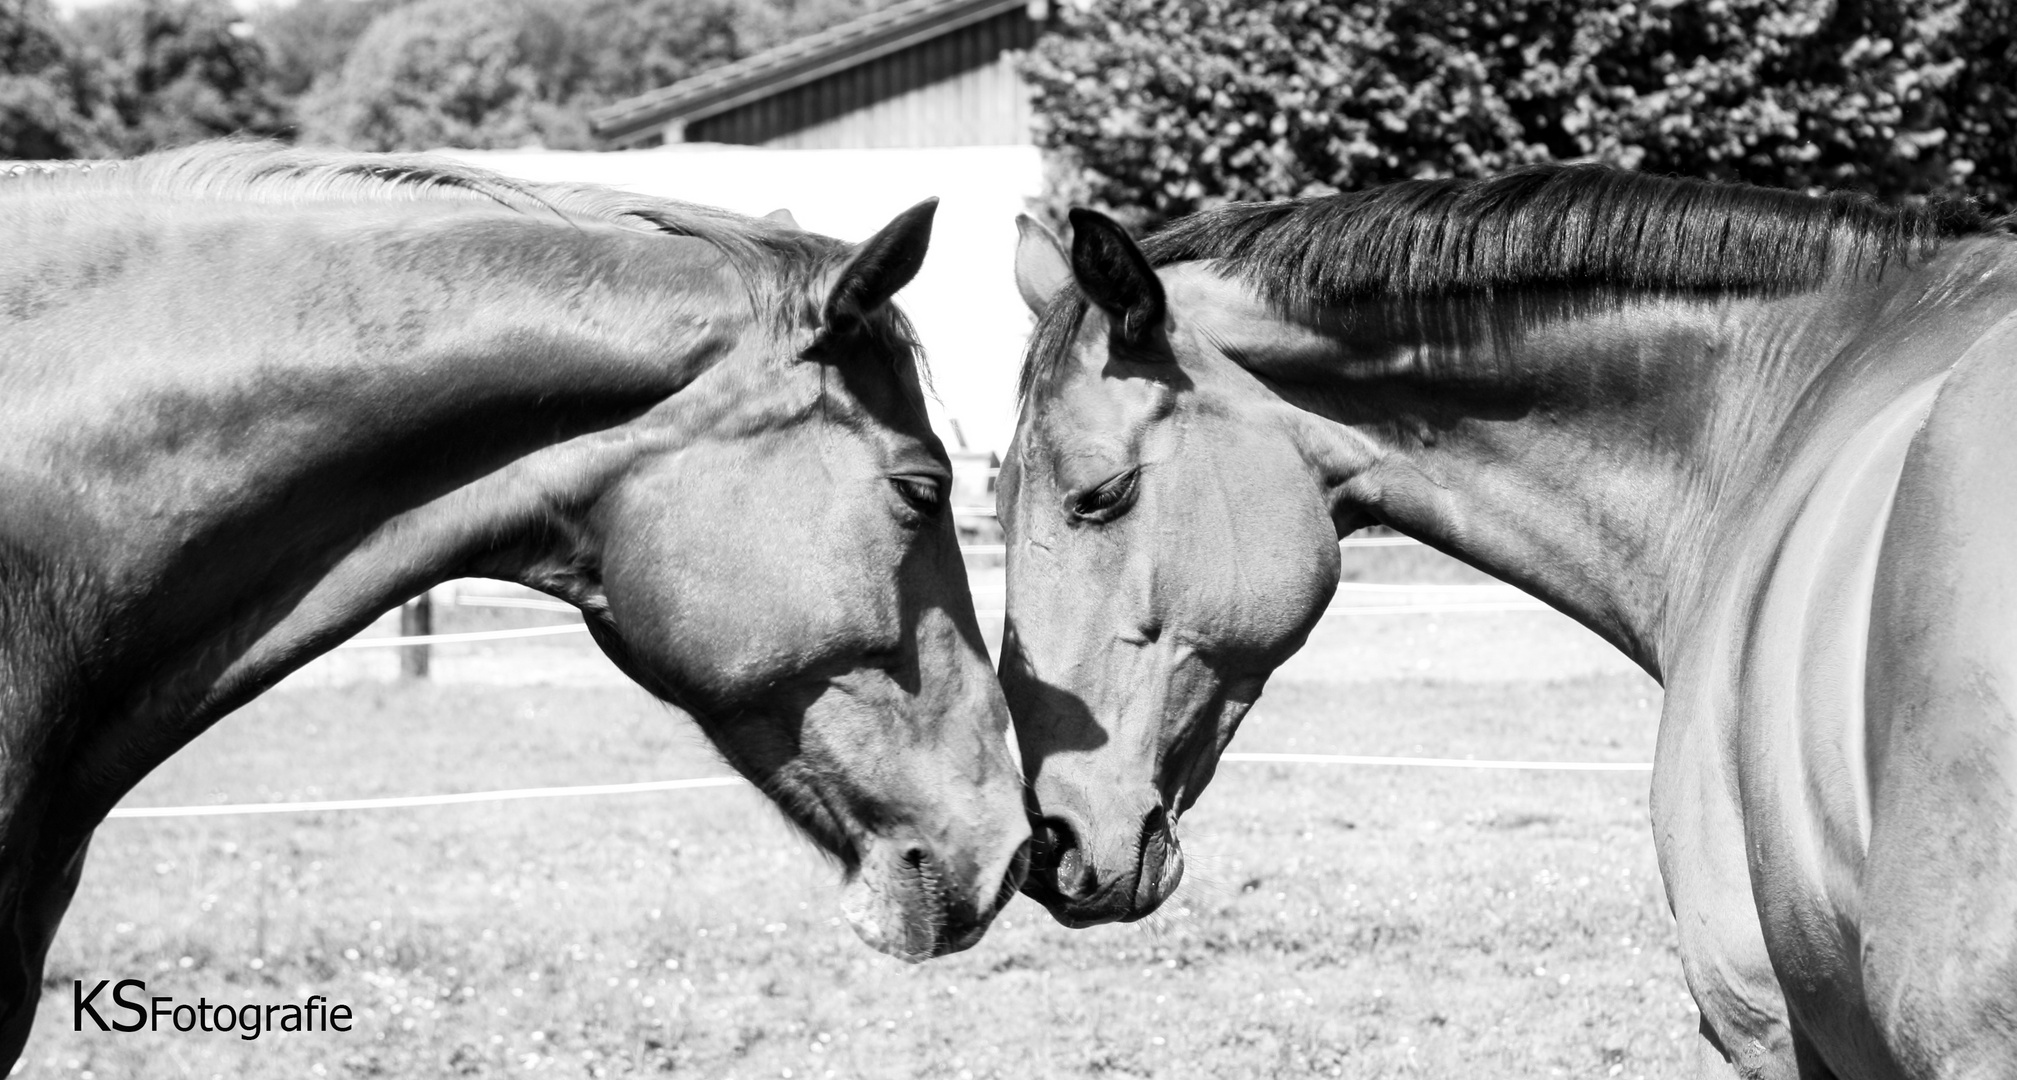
pixel 1008 539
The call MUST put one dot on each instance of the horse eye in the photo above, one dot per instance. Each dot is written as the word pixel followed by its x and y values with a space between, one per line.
pixel 1109 500
pixel 925 494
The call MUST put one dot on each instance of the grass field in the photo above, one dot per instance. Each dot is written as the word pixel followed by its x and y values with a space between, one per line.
pixel 1365 922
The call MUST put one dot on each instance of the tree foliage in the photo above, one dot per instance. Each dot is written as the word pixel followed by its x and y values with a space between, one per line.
pixel 47 94
pixel 179 71
pixel 630 46
pixel 310 39
pixel 1982 103
pixel 481 74
pixel 138 75
pixel 500 73
pixel 1156 108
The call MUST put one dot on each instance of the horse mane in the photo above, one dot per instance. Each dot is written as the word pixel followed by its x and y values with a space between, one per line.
pixel 1554 227
pixel 770 256
pixel 1559 226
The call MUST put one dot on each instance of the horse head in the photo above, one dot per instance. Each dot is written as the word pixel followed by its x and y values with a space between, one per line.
pixel 1166 551
pixel 778 559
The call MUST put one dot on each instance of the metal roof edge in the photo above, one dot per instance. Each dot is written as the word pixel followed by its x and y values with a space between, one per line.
pixel 666 104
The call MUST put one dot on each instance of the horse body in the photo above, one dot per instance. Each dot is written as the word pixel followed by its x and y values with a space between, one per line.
pixel 1786 502
pixel 251 398
pixel 1775 739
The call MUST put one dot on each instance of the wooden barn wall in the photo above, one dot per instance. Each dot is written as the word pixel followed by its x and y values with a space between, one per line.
pixel 957 90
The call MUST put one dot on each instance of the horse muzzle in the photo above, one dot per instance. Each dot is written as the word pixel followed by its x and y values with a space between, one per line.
pixel 907 902
pixel 1079 892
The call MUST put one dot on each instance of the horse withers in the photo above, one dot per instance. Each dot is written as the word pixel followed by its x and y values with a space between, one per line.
pixel 252 397
pixel 1759 441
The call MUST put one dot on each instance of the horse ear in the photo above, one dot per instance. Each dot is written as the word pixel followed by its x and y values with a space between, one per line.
pixel 880 266
pixel 781 216
pixel 1116 275
pixel 1042 267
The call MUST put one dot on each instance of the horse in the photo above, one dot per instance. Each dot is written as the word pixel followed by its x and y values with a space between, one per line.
pixel 253 397
pixel 1760 441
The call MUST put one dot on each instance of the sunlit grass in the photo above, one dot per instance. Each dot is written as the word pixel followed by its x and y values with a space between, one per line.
pixel 1357 922
pixel 1354 922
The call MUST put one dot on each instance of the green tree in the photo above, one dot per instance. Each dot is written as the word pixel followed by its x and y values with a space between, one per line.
pixel 764 24
pixel 179 71
pixel 630 46
pixel 505 73
pixel 1156 108
pixel 627 47
pixel 310 39
pixel 47 92
pixel 481 74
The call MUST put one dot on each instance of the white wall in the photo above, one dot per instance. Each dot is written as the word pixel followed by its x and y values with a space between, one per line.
pixel 964 302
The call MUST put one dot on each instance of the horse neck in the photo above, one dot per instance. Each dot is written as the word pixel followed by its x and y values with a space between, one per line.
pixel 1600 452
pixel 244 492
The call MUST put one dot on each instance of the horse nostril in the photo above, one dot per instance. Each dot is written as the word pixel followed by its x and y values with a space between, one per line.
pixel 1049 838
pixel 1056 855
pixel 1071 873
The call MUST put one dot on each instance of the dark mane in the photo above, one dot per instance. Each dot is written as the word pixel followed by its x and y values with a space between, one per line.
pixel 775 261
pixel 1563 227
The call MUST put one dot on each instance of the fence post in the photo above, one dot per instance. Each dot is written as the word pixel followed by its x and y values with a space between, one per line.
pixel 416 618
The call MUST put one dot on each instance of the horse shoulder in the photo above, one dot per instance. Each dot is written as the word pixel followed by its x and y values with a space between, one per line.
pixel 1940 879
pixel 1946 596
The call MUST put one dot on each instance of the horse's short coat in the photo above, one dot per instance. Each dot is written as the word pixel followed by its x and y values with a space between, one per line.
pixel 252 397
pixel 1759 441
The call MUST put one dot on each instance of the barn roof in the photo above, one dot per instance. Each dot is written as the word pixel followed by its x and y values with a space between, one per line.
pixel 795 63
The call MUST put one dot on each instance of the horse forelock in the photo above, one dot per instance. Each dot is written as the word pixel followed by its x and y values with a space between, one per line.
pixel 1586 227
pixel 1051 340
pixel 893 335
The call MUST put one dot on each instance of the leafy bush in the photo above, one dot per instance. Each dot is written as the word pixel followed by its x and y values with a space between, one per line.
pixel 1156 108
pixel 1982 103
